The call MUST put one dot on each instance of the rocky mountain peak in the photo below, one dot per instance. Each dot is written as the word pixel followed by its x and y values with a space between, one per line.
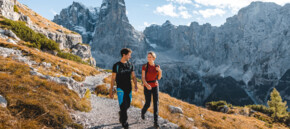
pixel 258 10
pixel 77 4
pixel 114 9
pixel 167 23
pixel 79 18
pixel 114 32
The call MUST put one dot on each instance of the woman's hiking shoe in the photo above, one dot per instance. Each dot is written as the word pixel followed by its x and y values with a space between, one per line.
pixel 125 125
pixel 142 116
pixel 156 125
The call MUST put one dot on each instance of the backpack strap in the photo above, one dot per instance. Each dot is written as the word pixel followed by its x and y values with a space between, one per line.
pixel 117 68
pixel 156 71
pixel 146 66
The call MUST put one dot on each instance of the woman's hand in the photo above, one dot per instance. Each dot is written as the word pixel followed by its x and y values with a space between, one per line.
pixel 148 87
pixel 158 69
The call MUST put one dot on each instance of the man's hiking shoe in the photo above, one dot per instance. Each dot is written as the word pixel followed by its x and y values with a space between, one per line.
pixel 125 125
pixel 142 116
pixel 156 125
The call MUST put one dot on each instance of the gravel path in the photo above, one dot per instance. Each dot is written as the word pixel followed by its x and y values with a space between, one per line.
pixel 104 115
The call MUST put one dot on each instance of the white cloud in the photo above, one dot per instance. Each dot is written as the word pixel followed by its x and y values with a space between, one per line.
pixel 211 12
pixel 195 12
pixel 181 1
pixel 235 5
pixel 170 10
pixel 181 8
pixel 185 14
pixel 145 24
pixel 167 10
pixel 127 12
pixel 53 12
pixel 197 5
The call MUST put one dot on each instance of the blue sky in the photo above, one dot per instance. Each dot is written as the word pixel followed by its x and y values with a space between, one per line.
pixel 142 13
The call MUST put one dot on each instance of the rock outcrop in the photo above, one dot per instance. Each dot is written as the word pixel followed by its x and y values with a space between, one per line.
pixel 7 9
pixel 66 40
pixel 3 101
pixel 80 19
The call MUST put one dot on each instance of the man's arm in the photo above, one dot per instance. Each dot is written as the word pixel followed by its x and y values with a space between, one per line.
pixel 134 80
pixel 112 84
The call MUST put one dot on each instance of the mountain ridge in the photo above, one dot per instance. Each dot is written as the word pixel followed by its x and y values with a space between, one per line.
pixel 250 47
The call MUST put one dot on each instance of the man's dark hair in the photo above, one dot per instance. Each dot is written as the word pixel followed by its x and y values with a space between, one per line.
pixel 125 51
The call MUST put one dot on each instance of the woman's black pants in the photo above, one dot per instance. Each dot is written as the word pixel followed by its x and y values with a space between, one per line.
pixel 154 92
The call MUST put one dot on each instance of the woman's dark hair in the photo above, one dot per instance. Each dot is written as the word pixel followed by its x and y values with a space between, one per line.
pixel 125 51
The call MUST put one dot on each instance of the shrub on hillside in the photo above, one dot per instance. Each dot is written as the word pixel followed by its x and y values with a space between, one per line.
pixel 217 105
pixel 16 9
pixel 74 32
pixel 288 119
pixel 261 108
pixel 70 56
pixel 37 40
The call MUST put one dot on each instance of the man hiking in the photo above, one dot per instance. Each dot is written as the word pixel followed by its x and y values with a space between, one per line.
pixel 122 72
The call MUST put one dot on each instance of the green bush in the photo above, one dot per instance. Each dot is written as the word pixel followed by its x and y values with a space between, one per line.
pixel 83 44
pixel 70 56
pixel 16 9
pixel 261 108
pixel 74 32
pixel 216 105
pixel 224 118
pixel 37 40
pixel 288 119
pixel 108 70
pixel 263 117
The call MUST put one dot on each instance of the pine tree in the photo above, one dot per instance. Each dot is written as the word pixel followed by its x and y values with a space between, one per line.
pixel 279 108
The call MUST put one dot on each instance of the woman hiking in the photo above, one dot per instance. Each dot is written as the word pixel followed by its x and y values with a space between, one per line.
pixel 151 73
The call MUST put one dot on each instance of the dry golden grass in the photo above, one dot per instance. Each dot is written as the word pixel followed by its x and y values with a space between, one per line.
pixel 210 119
pixel 7 121
pixel 34 102
pixel 78 78
pixel 59 66
pixel 41 21
pixel 102 90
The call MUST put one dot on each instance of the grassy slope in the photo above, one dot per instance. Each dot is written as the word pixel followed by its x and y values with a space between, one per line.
pixel 41 21
pixel 34 102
